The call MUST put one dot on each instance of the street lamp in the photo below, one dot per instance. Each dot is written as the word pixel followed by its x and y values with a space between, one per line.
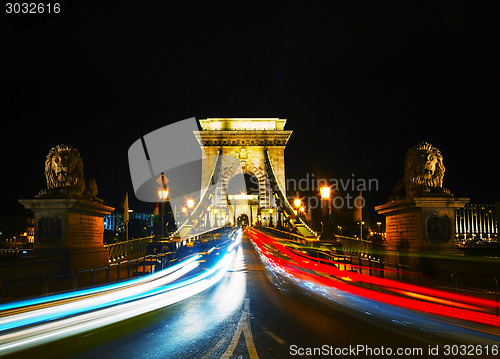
pixel 325 197
pixel 325 193
pixel 189 204
pixel 297 203
pixel 207 217
pixel 270 217
pixel 327 220
pixel 163 196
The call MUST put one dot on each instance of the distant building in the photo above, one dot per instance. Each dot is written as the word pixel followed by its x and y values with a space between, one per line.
pixel 112 222
pixel 17 228
pixel 477 221
pixel 138 222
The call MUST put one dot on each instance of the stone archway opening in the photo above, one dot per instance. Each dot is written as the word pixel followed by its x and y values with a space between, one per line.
pixel 243 198
pixel 242 221
pixel 251 186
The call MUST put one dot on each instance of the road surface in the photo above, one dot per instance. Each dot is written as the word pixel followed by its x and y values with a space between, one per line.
pixel 247 315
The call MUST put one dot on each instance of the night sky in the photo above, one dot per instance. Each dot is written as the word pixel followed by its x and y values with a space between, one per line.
pixel 358 82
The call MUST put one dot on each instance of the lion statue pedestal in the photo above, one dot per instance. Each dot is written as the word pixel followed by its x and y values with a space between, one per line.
pixel 420 225
pixel 72 228
pixel 420 213
pixel 68 215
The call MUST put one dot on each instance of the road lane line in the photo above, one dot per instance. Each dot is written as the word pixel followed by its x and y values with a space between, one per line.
pixel 274 336
pixel 243 327
pixel 211 351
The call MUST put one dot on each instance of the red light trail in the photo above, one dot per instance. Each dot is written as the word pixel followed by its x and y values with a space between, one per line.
pixel 410 296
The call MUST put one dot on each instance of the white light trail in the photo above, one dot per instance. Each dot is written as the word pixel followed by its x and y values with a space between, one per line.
pixel 105 297
pixel 91 312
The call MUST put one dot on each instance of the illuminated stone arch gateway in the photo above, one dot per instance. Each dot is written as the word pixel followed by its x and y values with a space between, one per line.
pixel 232 146
pixel 265 199
pixel 242 142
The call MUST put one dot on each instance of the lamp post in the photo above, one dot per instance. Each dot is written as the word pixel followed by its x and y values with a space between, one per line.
pixel 207 217
pixel 326 232
pixel 302 211
pixel 163 196
pixel 297 204
pixel 325 197
pixel 270 217
pixel 189 205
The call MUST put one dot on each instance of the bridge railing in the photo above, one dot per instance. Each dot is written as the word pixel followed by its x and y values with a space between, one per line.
pixel 138 247
pixel 289 235
pixel 86 278
pixel 128 260
pixel 131 248
pixel 355 245
pixel 193 236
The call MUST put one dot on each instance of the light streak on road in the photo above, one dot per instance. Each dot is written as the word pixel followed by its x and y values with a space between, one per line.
pixel 392 292
pixel 92 299
pixel 48 319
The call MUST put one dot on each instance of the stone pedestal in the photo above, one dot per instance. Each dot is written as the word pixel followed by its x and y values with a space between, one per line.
pixel 419 226
pixel 70 227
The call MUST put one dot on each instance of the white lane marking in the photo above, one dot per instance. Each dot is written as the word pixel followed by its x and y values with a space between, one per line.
pixel 243 327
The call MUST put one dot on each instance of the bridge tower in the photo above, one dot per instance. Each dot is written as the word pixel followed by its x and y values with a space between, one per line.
pixel 243 144
pixel 253 146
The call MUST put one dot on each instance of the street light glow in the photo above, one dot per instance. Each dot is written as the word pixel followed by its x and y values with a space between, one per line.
pixel 163 194
pixel 325 192
pixel 190 203
pixel 296 202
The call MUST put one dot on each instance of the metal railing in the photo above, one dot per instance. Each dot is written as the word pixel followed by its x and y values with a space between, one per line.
pixel 132 247
pixel 14 252
pixel 288 235
pixel 86 278
pixel 117 270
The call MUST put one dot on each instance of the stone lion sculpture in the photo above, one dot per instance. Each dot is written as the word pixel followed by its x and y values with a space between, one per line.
pixel 64 174
pixel 424 172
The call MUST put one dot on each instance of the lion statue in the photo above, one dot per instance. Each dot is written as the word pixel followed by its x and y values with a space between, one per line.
pixel 64 174
pixel 424 172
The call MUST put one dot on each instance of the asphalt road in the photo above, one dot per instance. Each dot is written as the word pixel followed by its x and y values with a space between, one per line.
pixel 245 316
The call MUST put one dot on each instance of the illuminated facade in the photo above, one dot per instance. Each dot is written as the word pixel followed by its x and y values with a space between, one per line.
pixel 244 139
pixel 17 228
pixel 477 221
pixel 114 221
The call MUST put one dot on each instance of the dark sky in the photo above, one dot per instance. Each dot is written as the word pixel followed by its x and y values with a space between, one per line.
pixel 359 82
